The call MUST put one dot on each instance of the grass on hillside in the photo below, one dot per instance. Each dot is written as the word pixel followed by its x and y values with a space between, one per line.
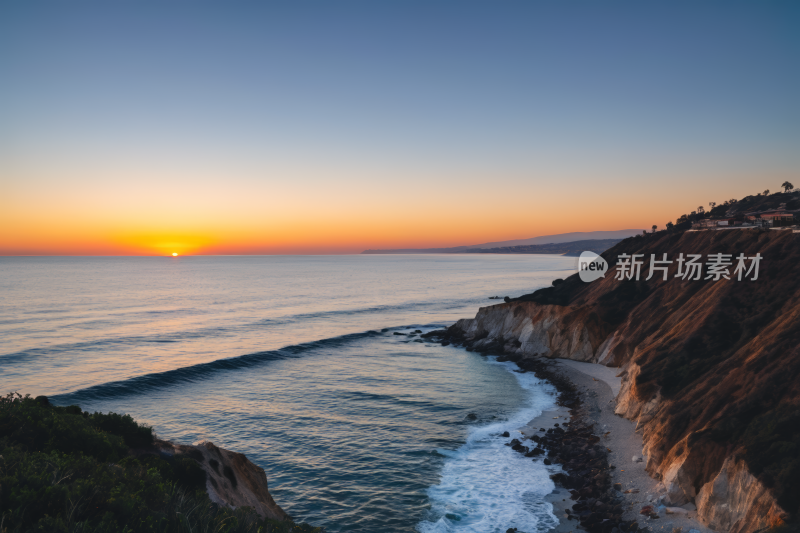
pixel 66 470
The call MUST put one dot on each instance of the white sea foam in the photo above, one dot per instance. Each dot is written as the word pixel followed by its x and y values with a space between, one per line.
pixel 487 487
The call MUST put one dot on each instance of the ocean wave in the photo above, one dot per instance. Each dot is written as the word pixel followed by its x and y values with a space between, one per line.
pixel 487 487
pixel 210 332
pixel 193 373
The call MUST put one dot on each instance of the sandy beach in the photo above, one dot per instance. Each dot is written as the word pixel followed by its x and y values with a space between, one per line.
pixel 598 386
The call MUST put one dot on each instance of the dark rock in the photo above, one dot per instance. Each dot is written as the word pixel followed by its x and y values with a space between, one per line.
pixel 506 434
pixel 472 416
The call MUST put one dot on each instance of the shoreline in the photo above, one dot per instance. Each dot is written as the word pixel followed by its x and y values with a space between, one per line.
pixel 594 389
pixel 595 457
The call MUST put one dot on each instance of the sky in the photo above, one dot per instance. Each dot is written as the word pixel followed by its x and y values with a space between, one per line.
pixel 147 128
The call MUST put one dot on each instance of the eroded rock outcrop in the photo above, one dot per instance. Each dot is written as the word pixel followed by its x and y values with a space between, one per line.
pixel 231 479
pixel 711 369
pixel 735 501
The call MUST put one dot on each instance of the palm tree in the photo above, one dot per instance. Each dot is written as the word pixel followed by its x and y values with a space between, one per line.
pixel 654 228
pixel 787 186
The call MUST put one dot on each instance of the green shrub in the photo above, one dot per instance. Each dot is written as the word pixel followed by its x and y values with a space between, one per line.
pixel 65 470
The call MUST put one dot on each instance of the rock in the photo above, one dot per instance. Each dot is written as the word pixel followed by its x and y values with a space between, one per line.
pixel 506 434
pixel 232 479
pixel 617 486
pixel 445 343
pixel 637 459
pixel 676 510
pixel 689 506
pixel 398 333
pixel 548 462
pixel 471 416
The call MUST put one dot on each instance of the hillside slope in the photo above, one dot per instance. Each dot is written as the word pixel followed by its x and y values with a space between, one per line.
pixel 711 369
pixel 534 241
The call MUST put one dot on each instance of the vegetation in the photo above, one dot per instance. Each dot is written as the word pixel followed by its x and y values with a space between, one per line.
pixel 758 202
pixel 66 470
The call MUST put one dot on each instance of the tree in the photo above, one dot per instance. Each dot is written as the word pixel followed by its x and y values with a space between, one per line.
pixel 712 205
pixel 701 209
pixel 655 227
pixel 787 186
pixel 670 225
pixel 644 232
pixel 766 193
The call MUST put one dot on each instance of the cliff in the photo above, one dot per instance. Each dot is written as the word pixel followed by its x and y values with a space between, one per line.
pixel 231 479
pixel 65 469
pixel 710 368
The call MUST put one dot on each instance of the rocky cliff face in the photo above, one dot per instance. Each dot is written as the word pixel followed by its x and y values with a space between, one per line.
pixel 711 369
pixel 231 479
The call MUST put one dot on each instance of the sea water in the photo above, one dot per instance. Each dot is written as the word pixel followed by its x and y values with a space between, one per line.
pixel 295 362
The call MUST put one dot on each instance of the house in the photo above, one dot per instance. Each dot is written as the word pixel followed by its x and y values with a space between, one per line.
pixel 704 223
pixel 776 217
pixel 729 221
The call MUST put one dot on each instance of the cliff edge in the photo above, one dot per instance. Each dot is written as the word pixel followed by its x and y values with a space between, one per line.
pixel 710 369
pixel 231 479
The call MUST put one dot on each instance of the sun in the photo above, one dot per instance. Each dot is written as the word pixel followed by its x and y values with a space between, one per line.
pixel 174 254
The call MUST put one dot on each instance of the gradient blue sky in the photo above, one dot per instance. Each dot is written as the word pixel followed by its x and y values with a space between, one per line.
pixel 337 126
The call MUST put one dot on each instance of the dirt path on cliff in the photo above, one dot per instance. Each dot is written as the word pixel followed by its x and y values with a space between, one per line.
pixel 598 385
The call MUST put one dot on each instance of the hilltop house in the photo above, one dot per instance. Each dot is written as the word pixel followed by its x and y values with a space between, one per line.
pixel 777 217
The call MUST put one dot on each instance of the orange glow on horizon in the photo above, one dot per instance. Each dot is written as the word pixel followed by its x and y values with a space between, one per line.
pixel 279 219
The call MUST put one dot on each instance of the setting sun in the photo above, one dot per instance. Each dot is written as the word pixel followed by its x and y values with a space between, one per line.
pixel 174 254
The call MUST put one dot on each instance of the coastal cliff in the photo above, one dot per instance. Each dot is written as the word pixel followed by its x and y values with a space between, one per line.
pixel 710 369
pixel 63 469
pixel 231 479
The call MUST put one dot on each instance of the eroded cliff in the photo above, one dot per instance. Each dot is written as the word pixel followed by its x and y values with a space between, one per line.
pixel 231 479
pixel 711 369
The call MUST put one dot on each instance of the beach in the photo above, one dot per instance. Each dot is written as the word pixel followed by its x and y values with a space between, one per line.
pixel 597 386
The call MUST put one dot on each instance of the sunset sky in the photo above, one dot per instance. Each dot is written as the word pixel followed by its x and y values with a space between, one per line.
pixel 133 128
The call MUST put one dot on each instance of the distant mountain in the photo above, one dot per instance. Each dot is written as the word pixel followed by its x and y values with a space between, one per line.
pixel 597 246
pixel 545 239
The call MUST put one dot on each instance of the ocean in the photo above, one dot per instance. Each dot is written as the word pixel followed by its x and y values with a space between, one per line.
pixel 312 366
